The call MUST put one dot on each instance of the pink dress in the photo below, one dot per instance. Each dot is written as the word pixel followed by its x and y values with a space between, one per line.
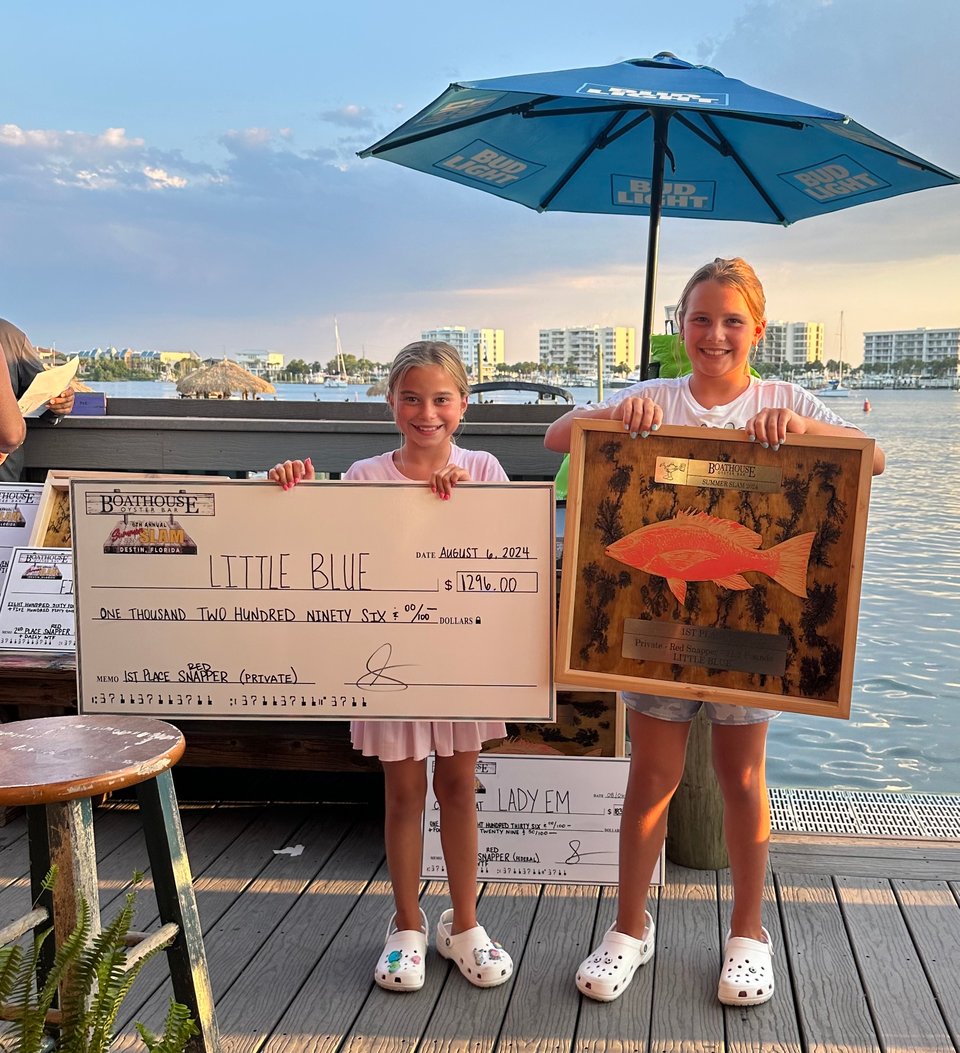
pixel 394 740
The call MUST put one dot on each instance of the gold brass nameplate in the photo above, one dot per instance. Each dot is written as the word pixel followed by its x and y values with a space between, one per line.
pixel 727 475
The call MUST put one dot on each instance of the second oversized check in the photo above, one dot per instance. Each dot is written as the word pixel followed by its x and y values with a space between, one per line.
pixel 333 600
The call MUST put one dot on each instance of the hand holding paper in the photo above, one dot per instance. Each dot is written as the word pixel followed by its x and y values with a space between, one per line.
pixel 47 385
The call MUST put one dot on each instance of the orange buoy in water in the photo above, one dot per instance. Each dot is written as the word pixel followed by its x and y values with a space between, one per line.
pixel 866 406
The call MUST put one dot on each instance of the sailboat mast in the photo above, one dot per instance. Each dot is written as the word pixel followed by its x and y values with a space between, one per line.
pixel 341 368
pixel 840 354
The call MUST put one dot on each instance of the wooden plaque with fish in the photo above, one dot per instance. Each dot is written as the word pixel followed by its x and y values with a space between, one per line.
pixel 700 565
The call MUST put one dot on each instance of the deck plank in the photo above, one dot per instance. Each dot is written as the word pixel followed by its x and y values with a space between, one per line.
pixel 831 1005
pixel 864 962
pixel 903 1006
pixel 542 1014
pixel 342 980
pixel 253 977
pixel 622 1026
pixel 932 914
pixel 686 1014
pixel 865 857
pixel 466 1019
pixel 389 1022
pixel 227 852
pixel 112 829
pixel 771 1027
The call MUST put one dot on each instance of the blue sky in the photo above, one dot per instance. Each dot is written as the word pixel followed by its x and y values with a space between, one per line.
pixel 183 175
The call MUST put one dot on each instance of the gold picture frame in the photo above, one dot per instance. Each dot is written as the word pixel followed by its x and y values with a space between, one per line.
pixel 699 565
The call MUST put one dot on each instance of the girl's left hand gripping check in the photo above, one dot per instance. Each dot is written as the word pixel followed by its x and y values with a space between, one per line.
pixel 770 426
pixel 289 473
pixel 445 479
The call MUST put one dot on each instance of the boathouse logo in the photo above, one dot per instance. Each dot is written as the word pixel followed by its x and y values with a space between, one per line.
pixel 482 163
pixel 43 564
pixel 680 98
pixel 133 536
pixel 679 195
pixel 12 517
pixel 839 177
pixel 145 502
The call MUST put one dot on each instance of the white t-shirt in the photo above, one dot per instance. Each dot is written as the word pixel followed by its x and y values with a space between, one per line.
pixel 680 407
pixel 482 466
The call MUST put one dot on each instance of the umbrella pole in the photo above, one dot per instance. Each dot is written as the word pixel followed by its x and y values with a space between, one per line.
pixel 660 121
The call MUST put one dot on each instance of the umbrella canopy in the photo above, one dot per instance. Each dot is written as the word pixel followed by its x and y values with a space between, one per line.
pixel 650 137
pixel 221 380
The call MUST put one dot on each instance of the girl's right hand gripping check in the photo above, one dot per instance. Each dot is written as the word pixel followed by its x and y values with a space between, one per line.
pixel 640 415
pixel 289 473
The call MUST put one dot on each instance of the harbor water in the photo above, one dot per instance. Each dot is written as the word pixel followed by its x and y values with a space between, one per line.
pixel 904 728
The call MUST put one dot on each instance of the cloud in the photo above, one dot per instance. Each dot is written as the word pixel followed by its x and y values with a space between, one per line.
pixel 350 116
pixel 65 143
pixel 35 161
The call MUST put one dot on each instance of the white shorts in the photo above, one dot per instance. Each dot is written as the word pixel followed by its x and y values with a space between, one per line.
pixel 681 710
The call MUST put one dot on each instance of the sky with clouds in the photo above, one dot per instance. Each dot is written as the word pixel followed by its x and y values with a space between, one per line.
pixel 184 175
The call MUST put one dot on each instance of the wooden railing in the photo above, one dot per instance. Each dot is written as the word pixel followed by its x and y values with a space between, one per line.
pixel 170 435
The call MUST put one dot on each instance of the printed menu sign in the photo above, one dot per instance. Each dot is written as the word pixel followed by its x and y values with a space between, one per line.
pixel 36 609
pixel 18 512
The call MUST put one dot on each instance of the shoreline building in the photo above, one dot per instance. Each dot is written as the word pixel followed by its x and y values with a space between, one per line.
pixel 884 351
pixel 575 349
pixel 260 363
pixel 791 345
pixel 472 344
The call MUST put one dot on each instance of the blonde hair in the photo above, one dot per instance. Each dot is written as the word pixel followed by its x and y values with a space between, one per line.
pixel 736 273
pixel 428 353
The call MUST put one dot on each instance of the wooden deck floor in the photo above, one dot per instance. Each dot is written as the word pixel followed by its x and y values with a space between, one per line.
pixel 867 939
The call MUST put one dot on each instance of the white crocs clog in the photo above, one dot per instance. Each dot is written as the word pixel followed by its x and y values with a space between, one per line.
pixel 401 965
pixel 607 973
pixel 746 976
pixel 482 961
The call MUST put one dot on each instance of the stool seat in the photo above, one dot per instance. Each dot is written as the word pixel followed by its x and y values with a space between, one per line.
pixel 51 759
pixel 54 766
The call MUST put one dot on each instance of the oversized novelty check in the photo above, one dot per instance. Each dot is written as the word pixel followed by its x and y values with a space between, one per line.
pixel 332 600
pixel 541 819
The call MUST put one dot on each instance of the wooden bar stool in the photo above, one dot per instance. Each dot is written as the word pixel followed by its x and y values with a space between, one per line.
pixel 54 766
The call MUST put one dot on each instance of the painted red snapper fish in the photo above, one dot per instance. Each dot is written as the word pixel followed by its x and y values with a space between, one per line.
pixel 696 546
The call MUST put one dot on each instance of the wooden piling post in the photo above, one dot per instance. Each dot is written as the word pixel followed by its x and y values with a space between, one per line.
pixel 695 823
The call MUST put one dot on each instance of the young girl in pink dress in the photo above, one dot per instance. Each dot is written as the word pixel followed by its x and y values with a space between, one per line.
pixel 722 317
pixel 427 391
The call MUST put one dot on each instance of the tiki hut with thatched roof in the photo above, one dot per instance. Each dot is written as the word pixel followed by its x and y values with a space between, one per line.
pixel 221 381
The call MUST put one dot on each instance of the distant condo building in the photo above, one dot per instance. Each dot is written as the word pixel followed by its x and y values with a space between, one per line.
pixel 791 344
pixel 262 363
pixel 576 349
pixel 471 343
pixel 130 357
pixel 887 350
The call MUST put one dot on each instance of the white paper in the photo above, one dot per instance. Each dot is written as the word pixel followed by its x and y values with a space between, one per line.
pixel 19 503
pixel 36 611
pixel 47 385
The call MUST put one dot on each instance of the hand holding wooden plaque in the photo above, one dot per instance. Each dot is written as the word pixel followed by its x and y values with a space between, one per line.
pixel 699 565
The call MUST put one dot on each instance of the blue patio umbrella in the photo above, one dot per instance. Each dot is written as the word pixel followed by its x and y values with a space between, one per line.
pixel 652 137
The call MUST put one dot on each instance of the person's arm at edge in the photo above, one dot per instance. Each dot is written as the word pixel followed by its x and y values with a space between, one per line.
pixel 13 428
